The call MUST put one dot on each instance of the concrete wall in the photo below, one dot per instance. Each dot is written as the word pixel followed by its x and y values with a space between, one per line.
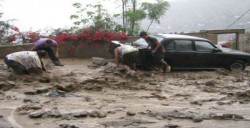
pixel 102 51
pixel 85 52
pixel 212 37
pixel 5 49
pixel 244 40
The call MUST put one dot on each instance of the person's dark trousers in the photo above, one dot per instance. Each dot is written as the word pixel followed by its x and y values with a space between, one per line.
pixel 130 59
pixel 157 59
pixel 51 54
pixel 17 67
pixel 146 58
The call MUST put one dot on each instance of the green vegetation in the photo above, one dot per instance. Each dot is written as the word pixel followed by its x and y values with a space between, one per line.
pixel 155 11
pixel 98 18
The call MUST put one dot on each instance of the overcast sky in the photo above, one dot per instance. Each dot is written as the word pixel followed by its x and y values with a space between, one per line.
pixel 45 14
pixel 40 14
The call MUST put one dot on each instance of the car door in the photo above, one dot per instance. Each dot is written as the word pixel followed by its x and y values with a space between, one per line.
pixel 168 44
pixel 184 54
pixel 208 55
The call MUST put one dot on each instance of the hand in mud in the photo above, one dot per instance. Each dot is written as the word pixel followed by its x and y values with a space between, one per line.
pixel 57 55
pixel 45 70
pixel 153 51
pixel 115 65
pixel 164 50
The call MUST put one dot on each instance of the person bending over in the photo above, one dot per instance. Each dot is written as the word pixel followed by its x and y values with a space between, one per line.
pixel 47 45
pixel 128 54
pixel 25 62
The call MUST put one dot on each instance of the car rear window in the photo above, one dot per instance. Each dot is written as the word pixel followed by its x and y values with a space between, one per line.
pixel 183 45
pixel 203 46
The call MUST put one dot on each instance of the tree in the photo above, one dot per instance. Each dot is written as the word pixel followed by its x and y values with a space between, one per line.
pixel 124 3
pixel 93 15
pixel 133 16
pixel 155 11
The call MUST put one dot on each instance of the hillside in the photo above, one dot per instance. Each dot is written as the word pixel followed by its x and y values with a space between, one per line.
pixel 195 15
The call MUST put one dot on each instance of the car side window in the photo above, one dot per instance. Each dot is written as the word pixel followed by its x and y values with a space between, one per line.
pixel 183 45
pixel 203 46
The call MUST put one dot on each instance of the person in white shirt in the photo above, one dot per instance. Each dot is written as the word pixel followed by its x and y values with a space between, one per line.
pixel 24 62
pixel 128 54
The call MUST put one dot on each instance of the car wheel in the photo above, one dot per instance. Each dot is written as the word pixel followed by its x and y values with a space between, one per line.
pixel 237 66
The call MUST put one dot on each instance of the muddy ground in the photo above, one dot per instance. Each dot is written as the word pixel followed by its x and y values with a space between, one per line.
pixel 85 95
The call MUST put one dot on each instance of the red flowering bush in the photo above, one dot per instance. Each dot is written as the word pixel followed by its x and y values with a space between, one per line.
pixel 31 36
pixel 72 40
pixel 85 36
pixel 11 38
pixel 61 38
pixel 14 28
pixel 88 37
pixel 122 36
pixel 28 37
pixel 107 37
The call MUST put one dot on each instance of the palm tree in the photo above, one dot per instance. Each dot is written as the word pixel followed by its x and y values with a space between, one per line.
pixel 155 11
pixel 134 3
pixel 124 3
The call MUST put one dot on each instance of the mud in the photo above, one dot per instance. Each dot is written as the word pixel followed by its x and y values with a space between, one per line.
pixel 83 94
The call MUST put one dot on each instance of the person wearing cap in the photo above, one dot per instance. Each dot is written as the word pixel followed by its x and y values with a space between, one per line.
pixel 157 51
pixel 47 45
pixel 25 62
pixel 128 54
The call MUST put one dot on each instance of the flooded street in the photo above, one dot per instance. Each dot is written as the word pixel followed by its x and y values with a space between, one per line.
pixel 83 95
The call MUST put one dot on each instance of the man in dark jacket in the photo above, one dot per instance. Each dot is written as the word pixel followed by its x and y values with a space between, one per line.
pixel 157 51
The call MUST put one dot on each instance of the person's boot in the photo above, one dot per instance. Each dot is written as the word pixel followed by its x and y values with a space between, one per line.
pixel 164 68
pixel 168 68
pixel 57 63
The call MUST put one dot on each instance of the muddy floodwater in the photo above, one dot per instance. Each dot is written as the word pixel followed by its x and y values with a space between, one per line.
pixel 83 94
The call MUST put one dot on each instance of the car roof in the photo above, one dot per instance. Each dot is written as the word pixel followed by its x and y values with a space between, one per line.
pixel 177 36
